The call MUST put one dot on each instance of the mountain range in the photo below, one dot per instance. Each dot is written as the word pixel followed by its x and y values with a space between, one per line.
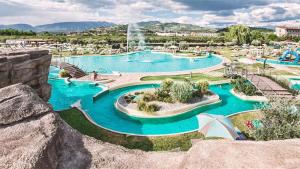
pixel 157 26
pixel 59 27
pixel 154 26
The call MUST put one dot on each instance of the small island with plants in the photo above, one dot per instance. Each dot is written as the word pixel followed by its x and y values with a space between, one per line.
pixel 245 90
pixel 172 98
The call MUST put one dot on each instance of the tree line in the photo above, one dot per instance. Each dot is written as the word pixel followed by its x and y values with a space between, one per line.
pixel 234 35
pixel 14 32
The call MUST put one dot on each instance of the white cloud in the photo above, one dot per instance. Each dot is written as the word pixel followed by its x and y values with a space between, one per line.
pixel 127 11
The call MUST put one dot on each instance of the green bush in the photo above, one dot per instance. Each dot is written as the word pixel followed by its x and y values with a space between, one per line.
pixel 64 73
pixel 163 96
pixel 241 85
pixel 182 91
pixel 141 105
pixel 152 108
pixel 166 85
pixel 201 87
pixel 281 120
pixel 149 108
pixel 148 97
pixel 129 98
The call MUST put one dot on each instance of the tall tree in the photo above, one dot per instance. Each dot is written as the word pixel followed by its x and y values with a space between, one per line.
pixel 240 33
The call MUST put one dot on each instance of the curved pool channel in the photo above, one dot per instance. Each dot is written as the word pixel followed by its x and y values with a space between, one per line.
pixel 103 112
pixel 146 61
pixel 278 62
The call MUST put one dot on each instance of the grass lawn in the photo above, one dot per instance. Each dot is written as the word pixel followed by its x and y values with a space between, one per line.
pixel 226 52
pixel 239 121
pixel 195 77
pixel 77 120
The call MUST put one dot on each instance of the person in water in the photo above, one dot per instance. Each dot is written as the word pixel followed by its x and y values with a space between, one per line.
pixel 94 75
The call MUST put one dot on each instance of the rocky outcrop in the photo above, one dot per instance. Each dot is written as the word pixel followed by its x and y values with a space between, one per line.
pixel 27 67
pixel 19 102
pixel 36 137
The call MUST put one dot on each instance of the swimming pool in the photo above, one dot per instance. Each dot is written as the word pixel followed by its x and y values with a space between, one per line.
pixel 271 61
pixel 53 72
pixel 146 61
pixel 295 83
pixel 63 95
pixel 104 113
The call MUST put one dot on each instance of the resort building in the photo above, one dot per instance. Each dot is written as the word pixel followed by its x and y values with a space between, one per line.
pixel 287 31
pixel 207 34
pixel 172 34
pixel 29 42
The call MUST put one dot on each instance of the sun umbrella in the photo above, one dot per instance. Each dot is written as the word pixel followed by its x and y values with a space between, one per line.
pixel 216 126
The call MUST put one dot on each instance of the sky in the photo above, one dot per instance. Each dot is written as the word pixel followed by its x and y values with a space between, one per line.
pixel 214 13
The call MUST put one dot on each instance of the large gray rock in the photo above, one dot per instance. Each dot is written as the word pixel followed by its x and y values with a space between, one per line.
pixel 33 136
pixel 19 102
pixel 30 143
pixel 37 138
pixel 29 67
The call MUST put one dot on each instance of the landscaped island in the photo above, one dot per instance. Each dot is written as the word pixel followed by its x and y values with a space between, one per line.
pixel 171 99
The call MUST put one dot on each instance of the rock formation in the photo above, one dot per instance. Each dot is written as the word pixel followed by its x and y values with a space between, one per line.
pixel 33 136
pixel 28 67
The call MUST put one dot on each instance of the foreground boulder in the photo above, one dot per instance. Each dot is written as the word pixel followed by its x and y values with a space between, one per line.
pixel 34 136
pixel 19 102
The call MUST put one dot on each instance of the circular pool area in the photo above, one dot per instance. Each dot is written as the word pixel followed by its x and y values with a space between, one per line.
pixel 145 61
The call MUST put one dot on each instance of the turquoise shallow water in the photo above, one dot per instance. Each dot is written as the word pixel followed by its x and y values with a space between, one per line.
pixel 53 72
pixel 64 95
pixel 145 61
pixel 297 85
pixel 103 112
pixel 270 61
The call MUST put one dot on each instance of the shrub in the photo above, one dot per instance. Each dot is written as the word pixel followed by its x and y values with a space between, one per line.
pixel 152 108
pixel 166 85
pixel 281 120
pixel 129 98
pixel 249 89
pixel 201 87
pixel 243 86
pixel 161 94
pixel 149 108
pixel 142 105
pixel 64 73
pixel 148 97
pixel 182 91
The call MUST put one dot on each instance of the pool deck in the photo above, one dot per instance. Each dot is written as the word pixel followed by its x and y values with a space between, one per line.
pixel 134 78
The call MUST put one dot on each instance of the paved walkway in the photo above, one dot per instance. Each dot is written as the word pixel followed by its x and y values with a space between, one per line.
pixel 267 86
pixel 134 78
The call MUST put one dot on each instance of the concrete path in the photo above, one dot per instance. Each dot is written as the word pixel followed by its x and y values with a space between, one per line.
pixel 267 86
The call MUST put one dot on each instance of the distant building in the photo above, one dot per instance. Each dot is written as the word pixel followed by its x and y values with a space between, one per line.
pixel 206 34
pixel 195 34
pixel 172 34
pixel 31 42
pixel 287 31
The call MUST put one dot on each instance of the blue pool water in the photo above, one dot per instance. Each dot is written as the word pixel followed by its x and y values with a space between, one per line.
pixel 53 72
pixel 270 61
pixel 64 95
pixel 296 85
pixel 104 113
pixel 146 61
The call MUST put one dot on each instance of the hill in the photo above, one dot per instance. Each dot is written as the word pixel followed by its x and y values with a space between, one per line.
pixel 157 26
pixel 59 27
